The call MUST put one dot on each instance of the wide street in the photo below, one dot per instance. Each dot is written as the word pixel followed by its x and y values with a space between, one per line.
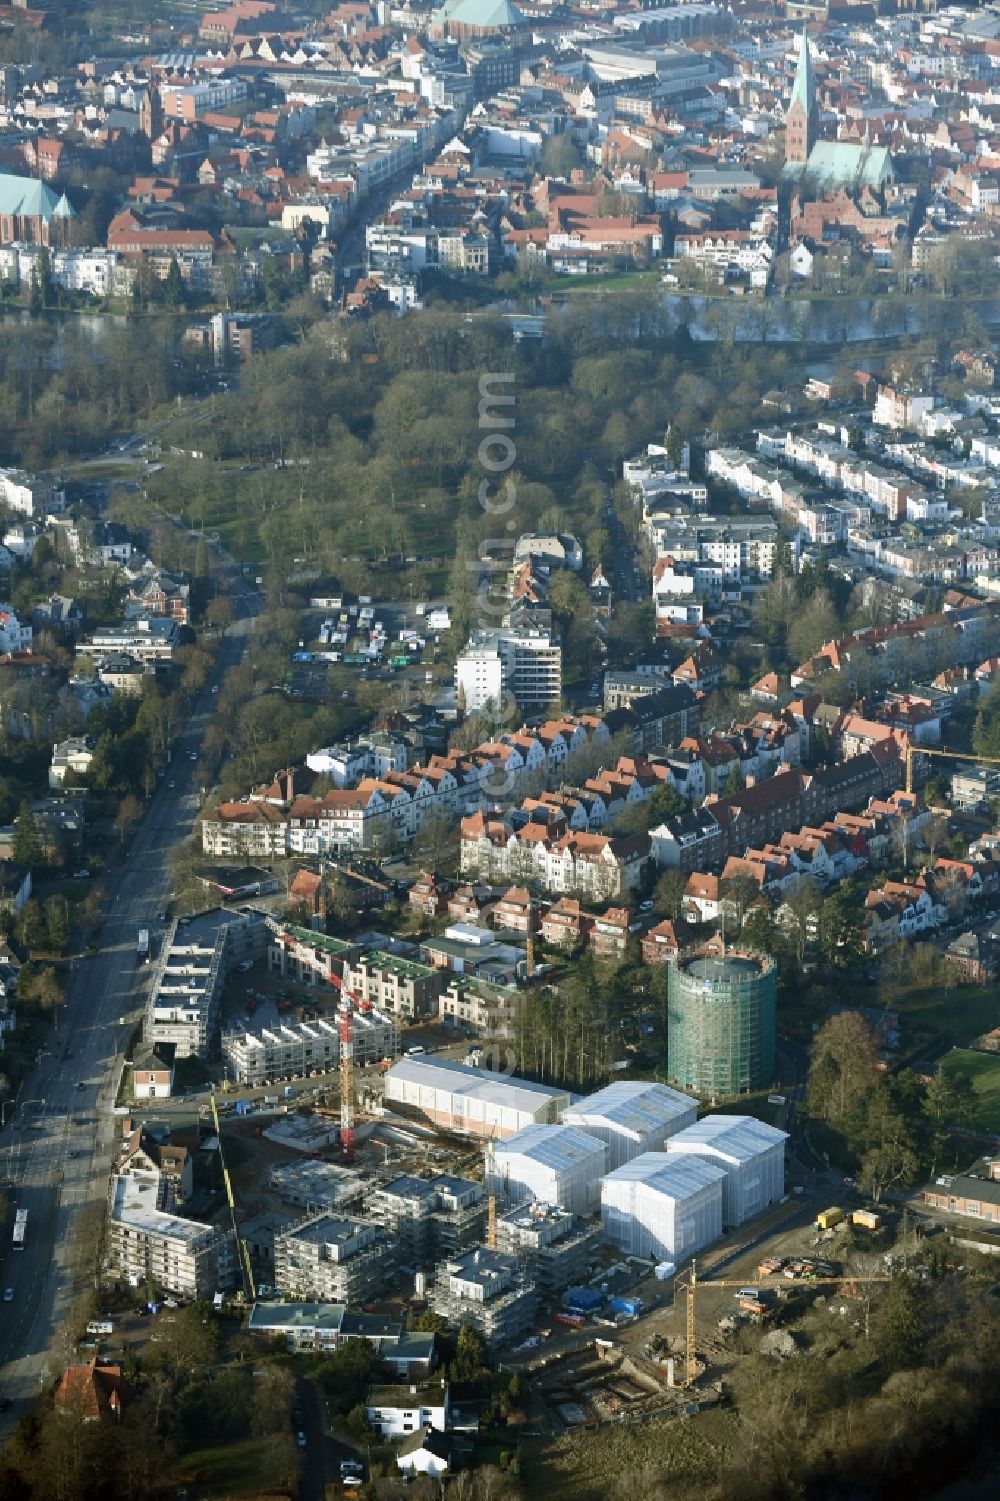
pixel 56 1146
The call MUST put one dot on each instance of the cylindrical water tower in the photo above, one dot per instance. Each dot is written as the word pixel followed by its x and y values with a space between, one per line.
pixel 721 1023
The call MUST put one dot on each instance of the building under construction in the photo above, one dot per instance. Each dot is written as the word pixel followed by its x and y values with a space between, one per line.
pixel 488 1290
pixel 721 1023
pixel 553 1245
pixel 305 955
pixel 318 1187
pixel 328 1259
pixel 285 1049
pixel 430 1218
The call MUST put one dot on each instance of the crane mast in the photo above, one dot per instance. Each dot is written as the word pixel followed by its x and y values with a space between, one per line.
pixel 345 1023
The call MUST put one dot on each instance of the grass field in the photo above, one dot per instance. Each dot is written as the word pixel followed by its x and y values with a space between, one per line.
pixel 984 1070
pixel 250 1467
pixel 956 1016
pixel 589 1466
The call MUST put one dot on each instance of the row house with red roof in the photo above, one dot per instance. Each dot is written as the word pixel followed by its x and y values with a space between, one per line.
pixel 595 867
pixel 391 808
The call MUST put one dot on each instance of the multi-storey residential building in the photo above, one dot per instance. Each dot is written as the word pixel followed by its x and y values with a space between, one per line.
pixel 195 960
pixel 596 866
pixel 396 986
pixel 153 639
pixel 487 1290
pixel 486 1010
pixel 13 635
pixel 149 1244
pixel 518 662
pixel 327 1259
pixel 429 1217
pixel 258 1055
pixel 306 955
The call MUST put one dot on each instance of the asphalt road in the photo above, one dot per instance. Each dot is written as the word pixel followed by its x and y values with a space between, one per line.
pixel 55 1165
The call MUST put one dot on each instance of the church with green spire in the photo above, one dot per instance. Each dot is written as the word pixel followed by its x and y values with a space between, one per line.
pixel 831 164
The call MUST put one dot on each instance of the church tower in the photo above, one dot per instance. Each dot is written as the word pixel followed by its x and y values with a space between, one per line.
pixel 150 113
pixel 800 122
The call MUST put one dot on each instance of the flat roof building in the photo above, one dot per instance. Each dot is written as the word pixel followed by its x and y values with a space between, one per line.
pixel 632 1117
pixel 328 1327
pixel 663 1205
pixel 430 1218
pixel 197 956
pixel 148 1243
pixel 555 1246
pixel 750 1152
pixel 488 1290
pixel 553 1164
pixel 473 1101
pixel 317 1187
pixel 256 1055
pixel 333 1260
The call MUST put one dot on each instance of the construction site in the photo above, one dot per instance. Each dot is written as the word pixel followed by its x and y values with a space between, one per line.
pixel 478 1197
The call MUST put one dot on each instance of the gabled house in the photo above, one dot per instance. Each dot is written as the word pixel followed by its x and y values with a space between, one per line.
pixel 701 897
pixel 609 933
pixel 426 896
pixel 93 1391
pixel 565 925
pixel 660 945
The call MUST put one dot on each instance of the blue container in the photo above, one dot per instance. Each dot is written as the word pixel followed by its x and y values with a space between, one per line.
pixel 629 1306
pixel 582 1299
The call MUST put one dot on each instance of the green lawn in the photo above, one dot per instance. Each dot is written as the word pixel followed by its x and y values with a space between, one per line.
pixel 249 1467
pixel 955 1016
pixel 984 1070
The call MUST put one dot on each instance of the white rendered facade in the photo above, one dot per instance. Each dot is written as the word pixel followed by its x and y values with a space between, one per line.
pixel 553 1164
pixel 632 1117
pixel 750 1152
pixel 663 1205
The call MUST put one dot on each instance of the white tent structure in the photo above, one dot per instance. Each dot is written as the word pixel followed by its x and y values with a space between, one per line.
pixel 632 1117
pixel 553 1164
pixel 751 1153
pixel 663 1205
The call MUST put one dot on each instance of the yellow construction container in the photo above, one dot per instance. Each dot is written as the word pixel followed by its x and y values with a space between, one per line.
pixel 828 1218
pixel 866 1218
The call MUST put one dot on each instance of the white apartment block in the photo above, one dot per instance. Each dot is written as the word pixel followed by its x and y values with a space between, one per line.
pixel 13 635
pixel 295 1049
pixel 147 1243
pixel 524 664
pixel 196 958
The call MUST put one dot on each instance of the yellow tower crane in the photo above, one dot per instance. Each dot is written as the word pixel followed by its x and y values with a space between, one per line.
pixel 912 751
pixel 692 1282
pixel 246 1268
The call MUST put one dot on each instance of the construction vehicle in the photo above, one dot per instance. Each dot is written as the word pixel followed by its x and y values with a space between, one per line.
pixel 246 1266
pixel 691 1283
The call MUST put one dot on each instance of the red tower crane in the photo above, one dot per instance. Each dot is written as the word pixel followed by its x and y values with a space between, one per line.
pixel 345 1025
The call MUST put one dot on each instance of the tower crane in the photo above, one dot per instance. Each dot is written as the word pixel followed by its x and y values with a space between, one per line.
pixel 912 751
pixel 246 1268
pixel 345 1026
pixel 692 1283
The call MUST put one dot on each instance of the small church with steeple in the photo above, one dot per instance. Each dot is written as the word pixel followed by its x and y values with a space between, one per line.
pixel 832 164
